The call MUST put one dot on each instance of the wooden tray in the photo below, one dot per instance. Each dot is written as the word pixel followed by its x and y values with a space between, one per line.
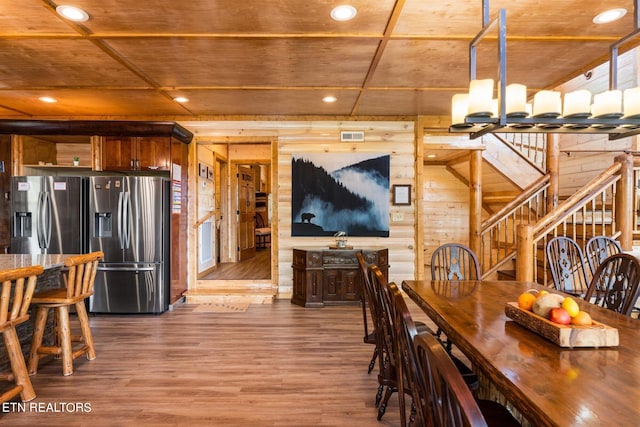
pixel 595 335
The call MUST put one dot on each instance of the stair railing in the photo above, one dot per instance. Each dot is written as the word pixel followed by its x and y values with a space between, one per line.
pixel 531 146
pixel 498 233
pixel 602 207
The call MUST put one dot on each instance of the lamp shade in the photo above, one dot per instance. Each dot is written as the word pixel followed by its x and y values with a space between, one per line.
pixel 547 103
pixel 480 97
pixel 459 109
pixel 577 104
pixel 495 107
pixel 516 100
pixel 632 103
pixel 607 104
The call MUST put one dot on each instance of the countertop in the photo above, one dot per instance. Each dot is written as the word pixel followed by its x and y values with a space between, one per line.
pixel 9 261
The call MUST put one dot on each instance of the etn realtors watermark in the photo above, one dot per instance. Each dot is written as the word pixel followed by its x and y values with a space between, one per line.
pixel 47 407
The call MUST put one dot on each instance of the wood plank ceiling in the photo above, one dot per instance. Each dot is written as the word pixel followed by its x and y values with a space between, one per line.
pixel 270 57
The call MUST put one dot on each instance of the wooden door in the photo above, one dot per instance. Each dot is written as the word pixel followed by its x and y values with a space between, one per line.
pixel 246 213
pixel 117 153
pixel 153 153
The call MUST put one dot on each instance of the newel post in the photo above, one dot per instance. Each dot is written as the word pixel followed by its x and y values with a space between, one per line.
pixel 475 201
pixel 524 254
pixel 553 168
pixel 624 201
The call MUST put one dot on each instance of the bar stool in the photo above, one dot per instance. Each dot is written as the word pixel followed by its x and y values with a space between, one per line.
pixel 80 279
pixel 14 310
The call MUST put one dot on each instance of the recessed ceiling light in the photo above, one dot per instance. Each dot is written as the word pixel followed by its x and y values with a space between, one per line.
pixel 609 16
pixel 181 99
pixel 72 13
pixel 431 156
pixel 329 99
pixel 48 99
pixel 343 12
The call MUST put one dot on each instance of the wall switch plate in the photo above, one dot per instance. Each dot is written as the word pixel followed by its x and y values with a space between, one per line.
pixel 397 216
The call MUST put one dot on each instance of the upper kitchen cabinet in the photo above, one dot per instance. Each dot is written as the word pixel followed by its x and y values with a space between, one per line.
pixel 126 153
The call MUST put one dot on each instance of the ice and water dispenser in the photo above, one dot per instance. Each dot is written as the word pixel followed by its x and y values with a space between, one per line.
pixel 102 224
pixel 22 224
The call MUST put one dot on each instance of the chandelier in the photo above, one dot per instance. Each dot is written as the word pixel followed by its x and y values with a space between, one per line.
pixel 613 112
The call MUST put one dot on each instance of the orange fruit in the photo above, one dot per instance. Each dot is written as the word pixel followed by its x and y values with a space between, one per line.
pixel 581 319
pixel 526 300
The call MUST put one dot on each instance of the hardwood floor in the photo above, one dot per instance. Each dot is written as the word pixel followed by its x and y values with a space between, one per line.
pixel 273 365
pixel 257 267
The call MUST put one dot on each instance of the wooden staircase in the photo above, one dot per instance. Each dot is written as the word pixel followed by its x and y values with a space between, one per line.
pixel 236 292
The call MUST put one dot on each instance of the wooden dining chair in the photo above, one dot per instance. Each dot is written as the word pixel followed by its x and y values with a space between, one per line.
pixel 598 248
pixel 365 298
pixel 15 300
pixel 616 284
pixel 384 334
pixel 454 261
pixel 382 325
pixel 409 374
pixel 450 401
pixel 79 286
pixel 388 364
pixel 567 265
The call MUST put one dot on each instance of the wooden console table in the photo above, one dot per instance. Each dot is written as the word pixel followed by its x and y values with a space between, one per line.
pixel 324 276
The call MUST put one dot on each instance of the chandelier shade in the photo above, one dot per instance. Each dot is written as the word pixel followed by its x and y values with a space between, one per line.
pixel 577 104
pixel 611 112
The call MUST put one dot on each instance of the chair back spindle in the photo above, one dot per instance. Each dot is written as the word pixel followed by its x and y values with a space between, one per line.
pixel 81 274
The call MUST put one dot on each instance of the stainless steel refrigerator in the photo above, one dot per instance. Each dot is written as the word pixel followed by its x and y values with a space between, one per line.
pixel 48 214
pixel 129 221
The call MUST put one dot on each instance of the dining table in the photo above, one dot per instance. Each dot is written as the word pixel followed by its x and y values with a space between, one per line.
pixel 547 384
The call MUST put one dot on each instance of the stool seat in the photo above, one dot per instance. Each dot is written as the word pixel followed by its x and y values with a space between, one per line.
pixel 15 300
pixel 57 296
pixel 80 279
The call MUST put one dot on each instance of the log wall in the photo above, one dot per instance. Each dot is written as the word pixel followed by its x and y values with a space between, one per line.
pixel 446 210
pixel 582 156
pixel 393 138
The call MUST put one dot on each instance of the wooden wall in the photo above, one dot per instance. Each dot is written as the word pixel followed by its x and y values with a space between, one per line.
pixel 205 202
pixel 583 157
pixel 445 210
pixel 394 138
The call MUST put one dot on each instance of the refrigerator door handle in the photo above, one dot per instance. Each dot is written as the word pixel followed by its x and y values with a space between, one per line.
pixel 39 218
pixel 47 220
pixel 120 219
pixel 127 224
pixel 126 268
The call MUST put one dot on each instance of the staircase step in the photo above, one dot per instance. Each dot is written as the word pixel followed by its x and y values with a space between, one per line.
pixel 231 296
pixel 506 275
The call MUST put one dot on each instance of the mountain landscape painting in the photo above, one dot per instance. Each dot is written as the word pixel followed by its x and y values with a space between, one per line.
pixel 340 192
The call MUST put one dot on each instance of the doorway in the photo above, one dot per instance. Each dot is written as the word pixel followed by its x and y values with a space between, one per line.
pixel 238 259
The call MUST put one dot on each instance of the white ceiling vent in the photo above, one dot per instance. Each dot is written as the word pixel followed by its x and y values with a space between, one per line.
pixel 352 136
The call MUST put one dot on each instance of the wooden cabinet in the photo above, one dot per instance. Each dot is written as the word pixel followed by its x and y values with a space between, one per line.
pixel 331 276
pixel 125 153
